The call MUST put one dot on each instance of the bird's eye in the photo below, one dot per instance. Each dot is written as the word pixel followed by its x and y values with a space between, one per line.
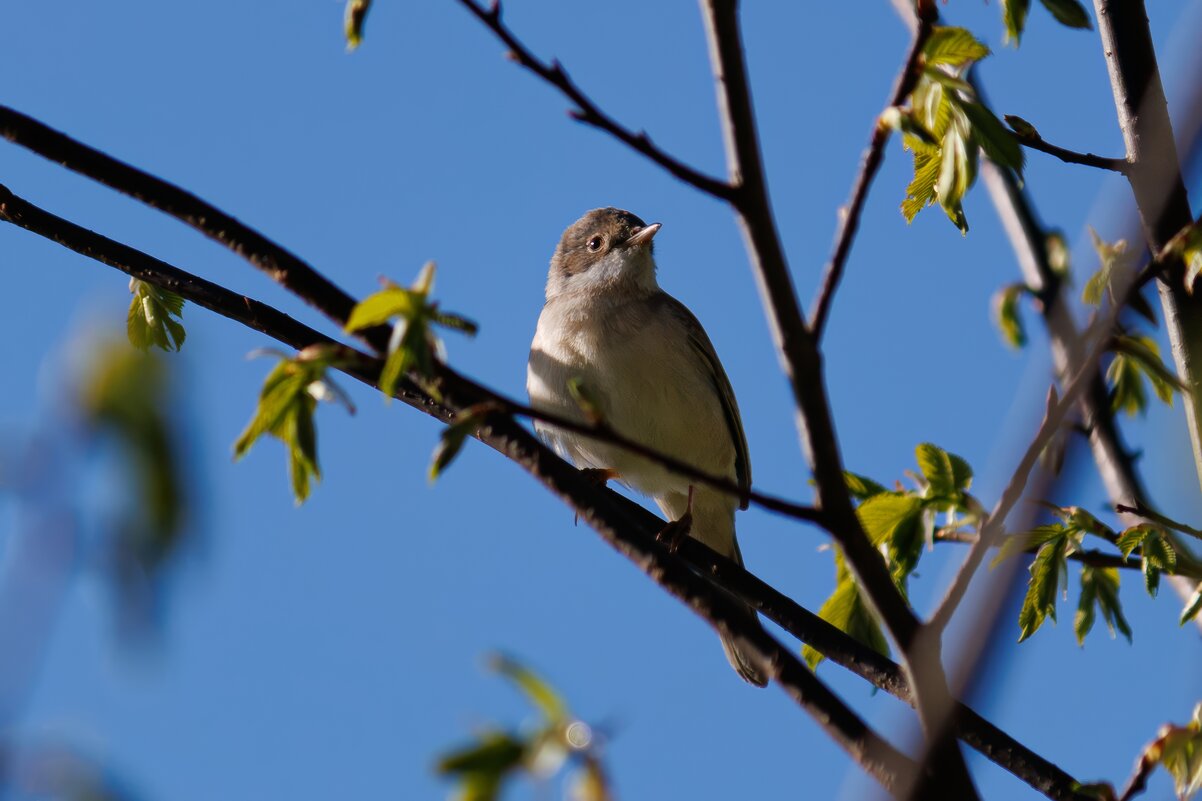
pixel 594 244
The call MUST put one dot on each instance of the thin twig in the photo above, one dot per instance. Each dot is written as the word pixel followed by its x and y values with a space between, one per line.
pixel 849 218
pixel 1139 510
pixel 586 110
pixel 1092 558
pixel 1037 142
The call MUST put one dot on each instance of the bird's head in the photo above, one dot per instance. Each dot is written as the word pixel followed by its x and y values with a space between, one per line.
pixel 606 251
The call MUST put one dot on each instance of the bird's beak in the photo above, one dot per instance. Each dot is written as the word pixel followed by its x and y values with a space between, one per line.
pixel 643 236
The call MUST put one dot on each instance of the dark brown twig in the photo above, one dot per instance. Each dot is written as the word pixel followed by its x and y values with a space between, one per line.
pixel 586 110
pixel 849 220
pixel 1140 510
pixel 1071 156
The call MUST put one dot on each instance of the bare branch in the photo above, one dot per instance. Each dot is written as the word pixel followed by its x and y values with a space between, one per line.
pixel 1140 510
pixel 586 110
pixel 849 219
pixel 1036 142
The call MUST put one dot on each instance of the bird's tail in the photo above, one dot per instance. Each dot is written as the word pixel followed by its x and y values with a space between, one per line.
pixel 743 663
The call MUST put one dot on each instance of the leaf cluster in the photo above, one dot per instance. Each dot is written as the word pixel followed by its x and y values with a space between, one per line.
pixel 413 346
pixel 1067 12
pixel 900 523
pixel 153 318
pixel 946 126
pixel 557 742
pixel 285 411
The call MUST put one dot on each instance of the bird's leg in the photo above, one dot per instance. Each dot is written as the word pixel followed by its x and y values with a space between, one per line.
pixel 599 476
pixel 674 533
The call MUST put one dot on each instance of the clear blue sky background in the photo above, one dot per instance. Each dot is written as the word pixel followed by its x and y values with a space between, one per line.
pixel 332 651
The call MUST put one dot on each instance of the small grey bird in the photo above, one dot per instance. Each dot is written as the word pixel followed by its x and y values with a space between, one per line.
pixel 647 363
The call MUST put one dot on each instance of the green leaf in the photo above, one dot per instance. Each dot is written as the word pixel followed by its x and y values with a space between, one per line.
pixel 902 120
pixel 1029 540
pixel 356 16
pixel 947 474
pixel 1145 356
pixel 536 689
pixel 1005 313
pixel 1127 393
pixel 957 169
pixel 379 308
pixel 1021 127
pixel 1158 557
pixel 466 423
pixel 861 487
pixel 953 47
pixel 1047 571
pixel 494 754
pixel 285 411
pixel 1110 257
pixel 921 191
pixel 1070 13
pixel 1000 146
pixel 847 611
pixel 882 514
pixel 1192 607
pixel 1014 15
pixel 1057 250
pixel 1100 588
pixel 149 322
pixel 1132 538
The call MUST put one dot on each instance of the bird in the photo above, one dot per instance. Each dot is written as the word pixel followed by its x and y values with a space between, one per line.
pixel 609 335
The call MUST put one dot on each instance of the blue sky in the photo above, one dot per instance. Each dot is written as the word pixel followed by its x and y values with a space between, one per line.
pixel 335 649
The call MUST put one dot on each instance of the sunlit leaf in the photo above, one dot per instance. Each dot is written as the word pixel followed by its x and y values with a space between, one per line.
pixel 1100 589
pixel 1014 15
pixel 356 16
pixel 1005 312
pixel 151 319
pixel 846 610
pixel 1048 571
pixel 954 47
pixel 861 487
pixel 1192 607
pixel 536 689
pixel 1069 12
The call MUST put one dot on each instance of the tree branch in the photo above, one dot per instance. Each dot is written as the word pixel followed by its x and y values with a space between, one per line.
pixel 1037 142
pixel 586 110
pixel 1139 510
pixel 849 221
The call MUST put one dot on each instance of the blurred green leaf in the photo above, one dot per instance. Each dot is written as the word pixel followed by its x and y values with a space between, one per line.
pixel 466 423
pixel 1192 607
pixel 999 144
pixel 1070 13
pixel 953 47
pixel 947 474
pixel 356 16
pixel 861 487
pixel 846 610
pixel 1177 749
pixel 150 319
pixel 1111 256
pixel 882 514
pixel 1014 16
pixel 1100 589
pixel 1138 357
pixel 1005 312
pixel 536 689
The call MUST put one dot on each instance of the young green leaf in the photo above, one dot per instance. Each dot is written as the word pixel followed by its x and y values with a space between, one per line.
pixel 882 514
pixel 151 317
pixel 1048 571
pixel 847 611
pixel 999 144
pixel 1100 589
pixel 1140 354
pixel 921 191
pixel 536 689
pixel 861 487
pixel 285 411
pixel 1005 313
pixel 1158 557
pixel 1029 540
pixel 1111 256
pixel 947 475
pixel 952 47
pixel 1177 749
pixel 957 170
pixel 1069 12
pixel 1014 15
pixel 493 754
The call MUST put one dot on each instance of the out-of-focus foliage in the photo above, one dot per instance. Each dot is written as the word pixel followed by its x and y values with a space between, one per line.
pixel 124 395
pixel 557 742
pixel 354 20
pixel 1067 12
